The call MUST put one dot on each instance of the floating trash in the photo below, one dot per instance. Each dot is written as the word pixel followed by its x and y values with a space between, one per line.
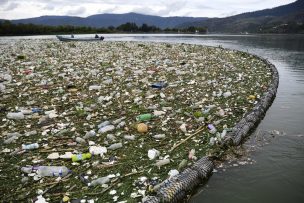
pixel 142 128
pixel 78 97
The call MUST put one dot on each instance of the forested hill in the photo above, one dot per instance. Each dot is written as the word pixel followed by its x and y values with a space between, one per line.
pixel 106 20
pixel 283 19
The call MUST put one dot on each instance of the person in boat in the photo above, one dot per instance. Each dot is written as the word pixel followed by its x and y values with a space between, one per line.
pixel 101 38
pixel 96 36
pixel 72 36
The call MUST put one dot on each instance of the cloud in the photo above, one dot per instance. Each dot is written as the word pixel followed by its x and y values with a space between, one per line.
pixel 12 9
pixel 2 2
pixel 49 7
pixel 11 6
pixel 77 11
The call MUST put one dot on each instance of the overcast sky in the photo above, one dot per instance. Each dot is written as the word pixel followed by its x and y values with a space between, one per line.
pixel 16 9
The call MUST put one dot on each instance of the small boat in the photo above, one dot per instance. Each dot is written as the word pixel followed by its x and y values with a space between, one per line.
pixel 72 38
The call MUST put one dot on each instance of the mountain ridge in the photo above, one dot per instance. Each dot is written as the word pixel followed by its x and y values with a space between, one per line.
pixel 287 18
pixel 106 20
pixel 281 19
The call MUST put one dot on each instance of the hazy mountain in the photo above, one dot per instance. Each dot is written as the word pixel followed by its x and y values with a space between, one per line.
pixel 106 20
pixel 283 19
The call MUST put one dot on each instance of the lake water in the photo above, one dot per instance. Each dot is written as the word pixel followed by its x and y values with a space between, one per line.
pixel 278 172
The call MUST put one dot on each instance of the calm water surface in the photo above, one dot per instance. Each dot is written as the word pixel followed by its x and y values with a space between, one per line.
pixel 278 172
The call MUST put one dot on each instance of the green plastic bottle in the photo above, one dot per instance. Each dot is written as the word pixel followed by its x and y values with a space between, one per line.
pixel 144 117
pixel 80 157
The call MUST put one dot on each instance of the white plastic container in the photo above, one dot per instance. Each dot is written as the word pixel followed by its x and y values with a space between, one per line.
pixel 30 146
pixel 15 115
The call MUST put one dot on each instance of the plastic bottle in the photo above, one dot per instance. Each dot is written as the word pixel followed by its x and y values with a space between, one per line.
pixel 159 136
pixel 100 181
pixel 12 137
pixel 27 169
pixel 97 150
pixel 52 171
pixel 90 134
pixel 15 116
pixel 80 157
pixel 26 112
pixel 129 137
pixel 115 146
pixel 80 140
pixel 103 124
pixel 115 122
pixel 37 110
pixel 162 162
pixel 30 146
pixel 159 85
pixel 95 87
pixel 211 128
pixel 144 117
pixel 106 128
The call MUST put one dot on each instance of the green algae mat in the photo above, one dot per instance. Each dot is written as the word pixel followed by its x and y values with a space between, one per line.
pixel 109 121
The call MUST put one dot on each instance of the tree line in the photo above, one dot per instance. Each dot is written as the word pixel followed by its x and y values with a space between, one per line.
pixel 10 29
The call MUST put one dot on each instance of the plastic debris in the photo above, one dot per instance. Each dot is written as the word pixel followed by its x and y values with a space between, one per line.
pixel 183 128
pixel 153 154
pixel 159 85
pixel 80 140
pixel 227 94
pixel 66 155
pixel 162 162
pixel 107 128
pixel 173 172
pixel 41 199
pixel 103 124
pixel 182 164
pixel 252 97
pixel 44 171
pixel 97 150
pixel 90 134
pixel 99 181
pixel 65 199
pixel 159 136
pixel 30 146
pixel 211 129
pixel 191 155
pixel 115 146
pixel 95 87
pixel 15 116
pixel 144 117
pixel 53 156
pixel 142 128
pixel 129 137
pixel 82 97
pixel 80 157
pixel 12 137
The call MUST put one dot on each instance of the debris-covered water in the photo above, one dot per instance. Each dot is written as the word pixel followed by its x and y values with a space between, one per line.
pixel 106 121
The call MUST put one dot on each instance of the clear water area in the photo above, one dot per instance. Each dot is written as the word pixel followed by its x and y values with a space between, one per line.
pixel 277 174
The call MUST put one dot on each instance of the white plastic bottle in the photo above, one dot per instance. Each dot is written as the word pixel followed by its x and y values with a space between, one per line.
pixel 30 146
pixel 100 181
pixel 52 171
pixel 15 115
